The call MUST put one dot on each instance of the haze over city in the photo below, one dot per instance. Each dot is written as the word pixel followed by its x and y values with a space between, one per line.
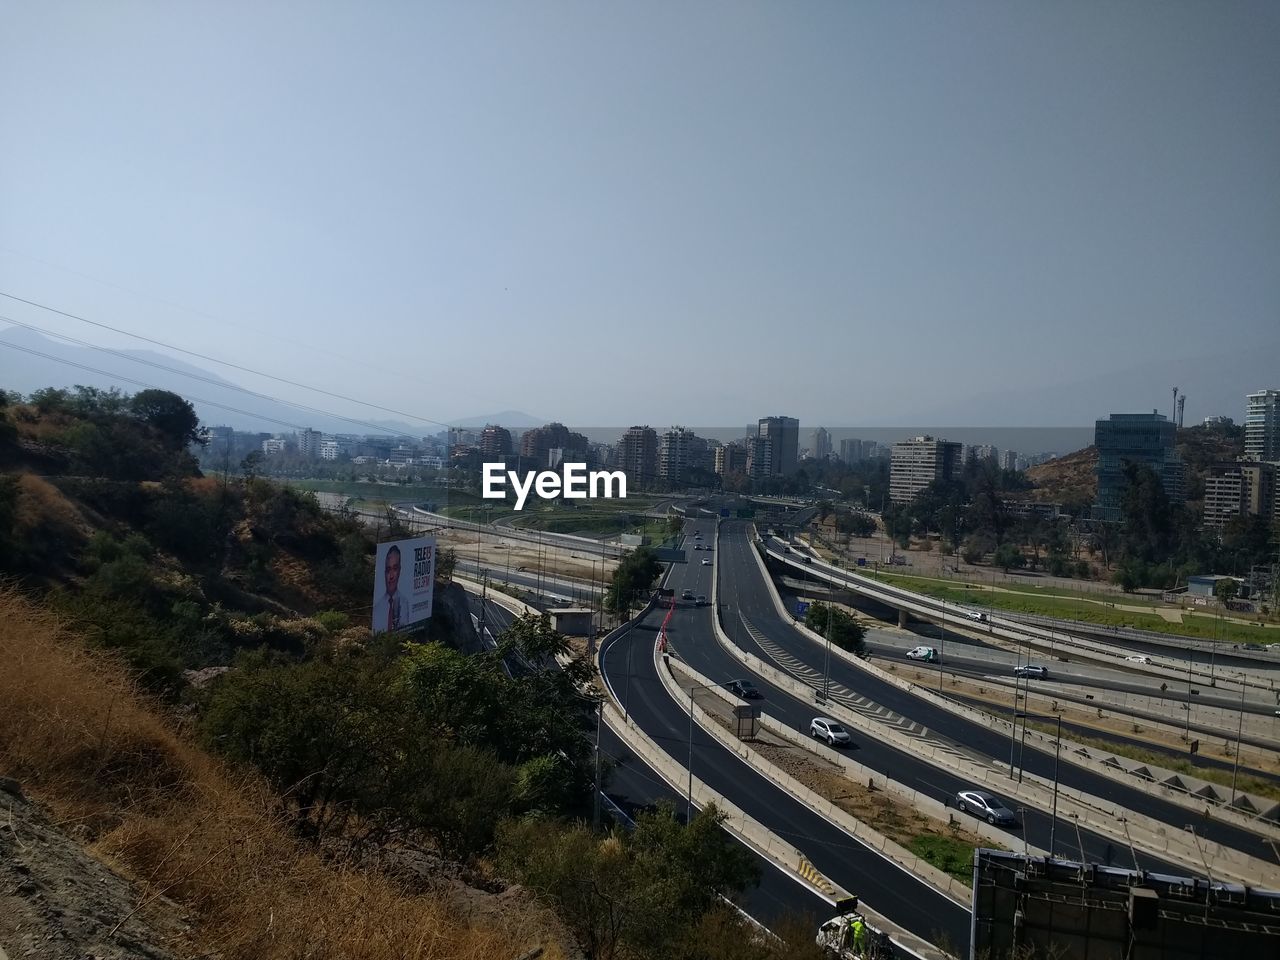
pixel 995 214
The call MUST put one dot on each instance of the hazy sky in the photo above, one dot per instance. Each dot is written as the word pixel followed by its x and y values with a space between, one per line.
pixel 649 212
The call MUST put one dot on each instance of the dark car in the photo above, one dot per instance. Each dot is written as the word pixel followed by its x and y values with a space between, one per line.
pixel 744 689
pixel 986 806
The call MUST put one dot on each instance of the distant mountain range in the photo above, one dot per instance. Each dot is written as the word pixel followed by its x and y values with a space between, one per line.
pixel 30 361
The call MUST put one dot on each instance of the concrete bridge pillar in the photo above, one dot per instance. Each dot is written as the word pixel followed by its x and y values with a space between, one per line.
pixel 902 619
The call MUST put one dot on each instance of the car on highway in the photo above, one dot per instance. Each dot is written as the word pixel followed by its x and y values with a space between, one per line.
pixel 706 562
pixel 978 615
pixel 830 731
pixel 927 654
pixel 1140 658
pixel 701 601
pixel 686 595
pixel 1255 646
pixel 986 806
pixel 806 559
pixel 744 689
pixel 1031 670
pixel 697 546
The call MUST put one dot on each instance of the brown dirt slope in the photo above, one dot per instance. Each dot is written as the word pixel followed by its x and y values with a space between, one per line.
pixel 1067 479
pixel 178 824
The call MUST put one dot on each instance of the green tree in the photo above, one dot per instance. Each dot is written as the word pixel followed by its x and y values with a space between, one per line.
pixel 632 578
pixel 642 894
pixel 1226 590
pixel 845 631
pixel 172 417
pixel 1008 557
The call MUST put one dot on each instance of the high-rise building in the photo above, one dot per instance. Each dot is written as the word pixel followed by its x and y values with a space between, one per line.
pixel 981 451
pixel 675 454
pixel 309 442
pixel 759 458
pixel 495 443
pixel 821 444
pixel 536 445
pixel 851 451
pixel 1009 460
pixel 1262 426
pixel 918 462
pixel 730 458
pixel 1242 488
pixel 638 456
pixel 1146 438
pixel 783 434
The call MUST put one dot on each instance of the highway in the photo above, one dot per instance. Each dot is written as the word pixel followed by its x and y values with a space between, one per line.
pixel 968 657
pixel 632 786
pixel 900 896
pixel 745 590
pixel 704 653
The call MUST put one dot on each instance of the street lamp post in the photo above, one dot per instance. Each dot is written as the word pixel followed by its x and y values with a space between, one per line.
pixel 826 669
pixel 1235 767
pixel 595 816
pixel 1187 734
pixel 1053 827
pixel 942 651
pixel 689 808
pixel 1013 732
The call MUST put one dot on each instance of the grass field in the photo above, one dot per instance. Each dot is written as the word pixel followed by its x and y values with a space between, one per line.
pixel 1051 605
pixel 951 856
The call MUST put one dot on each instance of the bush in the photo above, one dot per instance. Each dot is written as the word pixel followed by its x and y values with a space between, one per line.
pixel 845 631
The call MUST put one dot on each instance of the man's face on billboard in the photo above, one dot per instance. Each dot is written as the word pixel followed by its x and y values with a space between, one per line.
pixel 392 570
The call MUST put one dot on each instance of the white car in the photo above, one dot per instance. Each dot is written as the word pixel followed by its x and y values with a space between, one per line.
pixel 1140 658
pixel 927 654
pixel 706 562
pixel 977 615
pixel 830 731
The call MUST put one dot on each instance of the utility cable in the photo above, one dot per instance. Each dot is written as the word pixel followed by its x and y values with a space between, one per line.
pixel 225 363
pixel 223 384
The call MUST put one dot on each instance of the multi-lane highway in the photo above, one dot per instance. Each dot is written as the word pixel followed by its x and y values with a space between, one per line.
pixel 632 786
pixel 752 621
pixel 900 896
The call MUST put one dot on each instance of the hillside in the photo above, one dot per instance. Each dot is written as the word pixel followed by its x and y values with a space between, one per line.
pixel 1069 479
pixel 196 704
pixel 1072 479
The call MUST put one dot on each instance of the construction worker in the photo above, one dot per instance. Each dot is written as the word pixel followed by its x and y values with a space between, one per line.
pixel 859 936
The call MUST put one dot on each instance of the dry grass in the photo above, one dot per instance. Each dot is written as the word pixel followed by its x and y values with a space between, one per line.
pixel 79 736
pixel 42 510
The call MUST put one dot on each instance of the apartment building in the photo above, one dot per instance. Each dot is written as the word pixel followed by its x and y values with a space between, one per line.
pixel 918 462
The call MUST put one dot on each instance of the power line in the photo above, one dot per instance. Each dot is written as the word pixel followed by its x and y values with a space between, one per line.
pixel 182 373
pixel 149 386
pixel 225 363
pixel 207 316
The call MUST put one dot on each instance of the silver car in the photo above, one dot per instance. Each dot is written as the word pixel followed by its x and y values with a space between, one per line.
pixel 830 731
pixel 986 806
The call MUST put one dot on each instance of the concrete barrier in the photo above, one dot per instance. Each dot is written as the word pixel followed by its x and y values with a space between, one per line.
pixel 865 834
pixel 1101 816
pixel 1199 804
pixel 755 835
pixel 1007 628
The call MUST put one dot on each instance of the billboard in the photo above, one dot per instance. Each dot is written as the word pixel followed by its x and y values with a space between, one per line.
pixel 403 580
